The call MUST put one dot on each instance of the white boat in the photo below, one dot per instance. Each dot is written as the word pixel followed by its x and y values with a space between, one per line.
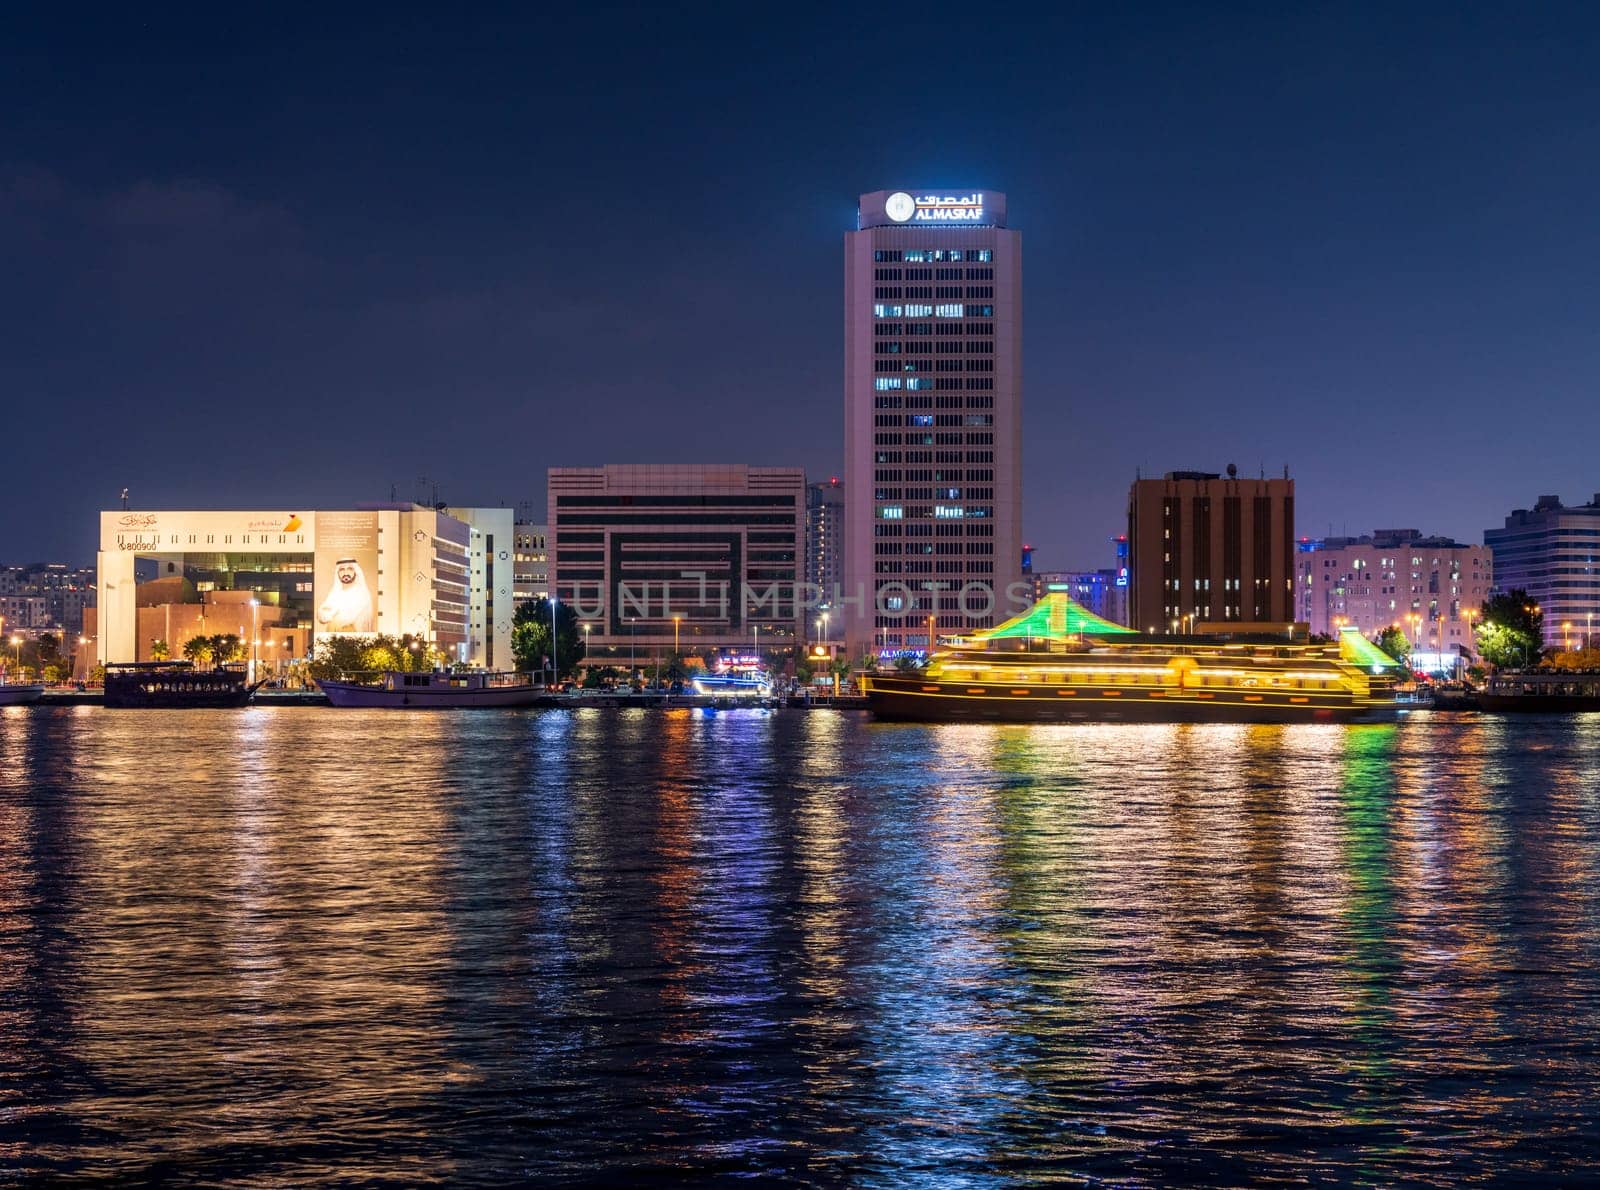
pixel 441 690
pixel 15 695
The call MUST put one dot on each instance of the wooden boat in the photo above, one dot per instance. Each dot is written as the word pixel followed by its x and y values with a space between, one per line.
pixel 1058 662
pixel 440 690
pixel 175 684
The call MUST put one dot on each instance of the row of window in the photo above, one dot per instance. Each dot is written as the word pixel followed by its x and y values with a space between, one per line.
pixel 966 566
pixel 944 493
pixel 972 474
pixel 934 419
pixel 923 456
pixel 894 293
pixel 889 549
pixel 938 438
pixel 932 275
pixel 942 310
pixel 894 401
pixel 894 330
pixel 924 528
pixel 937 347
pixel 942 384
pixel 946 512
pixel 932 255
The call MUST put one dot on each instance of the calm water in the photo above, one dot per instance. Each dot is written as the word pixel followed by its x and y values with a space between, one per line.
pixel 299 946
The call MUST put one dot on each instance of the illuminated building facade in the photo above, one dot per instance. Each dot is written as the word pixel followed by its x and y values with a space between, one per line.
pixel 933 416
pixel 530 575
pixel 1429 587
pixel 825 540
pixel 490 605
pixel 45 598
pixel 697 556
pixel 399 569
pixel 1205 549
pixel 1552 551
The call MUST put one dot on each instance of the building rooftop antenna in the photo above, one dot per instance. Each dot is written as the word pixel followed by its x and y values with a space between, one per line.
pixel 124 499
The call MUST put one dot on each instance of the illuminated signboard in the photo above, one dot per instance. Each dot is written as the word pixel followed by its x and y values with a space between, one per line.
pixel 901 207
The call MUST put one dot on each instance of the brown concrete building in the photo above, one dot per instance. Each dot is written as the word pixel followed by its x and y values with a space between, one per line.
pixel 1207 549
pixel 682 556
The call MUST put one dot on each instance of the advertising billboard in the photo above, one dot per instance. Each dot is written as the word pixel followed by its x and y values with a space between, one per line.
pixel 346 573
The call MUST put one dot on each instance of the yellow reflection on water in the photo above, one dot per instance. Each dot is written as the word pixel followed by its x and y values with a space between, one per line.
pixel 264 915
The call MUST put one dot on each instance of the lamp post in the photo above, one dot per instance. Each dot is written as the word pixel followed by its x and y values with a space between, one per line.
pixel 632 620
pixel 555 660
pixel 1566 633
pixel 16 643
pixel 255 638
pixel 676 620
pixel 586 629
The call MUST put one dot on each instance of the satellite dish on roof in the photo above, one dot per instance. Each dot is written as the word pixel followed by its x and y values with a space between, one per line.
pixel 1233 471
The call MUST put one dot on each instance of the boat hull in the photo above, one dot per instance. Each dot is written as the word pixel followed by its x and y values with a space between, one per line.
pixel 924 700
pixel 354 694
pixel 204 699
pixel 1548 704
pixel 16 696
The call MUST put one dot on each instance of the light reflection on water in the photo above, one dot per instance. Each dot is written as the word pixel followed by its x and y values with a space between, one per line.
pixel 323 946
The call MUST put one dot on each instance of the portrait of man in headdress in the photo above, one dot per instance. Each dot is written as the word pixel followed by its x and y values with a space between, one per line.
pixel 349 606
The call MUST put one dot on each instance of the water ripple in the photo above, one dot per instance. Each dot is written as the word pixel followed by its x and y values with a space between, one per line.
pixel 299 946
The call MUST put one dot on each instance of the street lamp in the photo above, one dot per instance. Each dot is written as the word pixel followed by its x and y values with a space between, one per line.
pixel 675 621
pixel 555 660
pixel 1566 630
pixel 16 643
pixel 255 639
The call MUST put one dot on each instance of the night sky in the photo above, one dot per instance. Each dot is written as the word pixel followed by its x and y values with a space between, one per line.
pixel 304 259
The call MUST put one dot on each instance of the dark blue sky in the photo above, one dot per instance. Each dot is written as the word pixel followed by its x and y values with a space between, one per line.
pixel 290 260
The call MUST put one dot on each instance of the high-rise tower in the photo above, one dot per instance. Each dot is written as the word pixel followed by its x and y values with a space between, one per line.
pixel 933 416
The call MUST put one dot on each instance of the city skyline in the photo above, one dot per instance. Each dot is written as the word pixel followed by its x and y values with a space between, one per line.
pixel 260 271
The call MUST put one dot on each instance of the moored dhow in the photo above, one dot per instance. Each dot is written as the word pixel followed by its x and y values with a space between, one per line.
pixel 176 684
pixel 1058 662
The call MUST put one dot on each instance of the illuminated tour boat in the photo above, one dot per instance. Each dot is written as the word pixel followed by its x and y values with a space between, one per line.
pixel 1058 662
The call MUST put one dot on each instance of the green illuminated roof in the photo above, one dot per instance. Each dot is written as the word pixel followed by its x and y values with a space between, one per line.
pixel 1055 617
pixel 1358 650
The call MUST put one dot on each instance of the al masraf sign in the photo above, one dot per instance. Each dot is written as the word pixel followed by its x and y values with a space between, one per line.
pixel 901 207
